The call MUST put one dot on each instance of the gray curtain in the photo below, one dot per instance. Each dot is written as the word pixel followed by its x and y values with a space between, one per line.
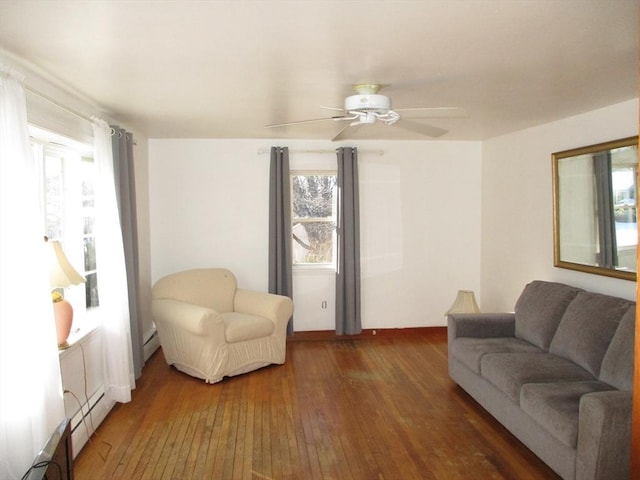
pixel 124 172
pixel 280 257
pixel 605 208
pixel 348 319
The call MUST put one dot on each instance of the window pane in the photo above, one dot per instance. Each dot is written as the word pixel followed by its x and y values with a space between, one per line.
pixel 91 290
pixel 89 253
pixel 313 196
pixel 88 194
pixel 313 217
pixel 313 242
pixel 54 195
pixel 87 168
pixel 89 224
pixel 624 199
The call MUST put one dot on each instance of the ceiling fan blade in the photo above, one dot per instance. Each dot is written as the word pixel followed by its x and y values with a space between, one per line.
pixel 337 109
pixel 342 134
pixel 300 122
pixel 427 130
pixel 434 112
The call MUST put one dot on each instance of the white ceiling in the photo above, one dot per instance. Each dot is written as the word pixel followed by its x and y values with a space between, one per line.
pixel 186 68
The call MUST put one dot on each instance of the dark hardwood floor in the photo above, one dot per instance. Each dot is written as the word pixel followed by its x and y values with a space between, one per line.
pixel 379 407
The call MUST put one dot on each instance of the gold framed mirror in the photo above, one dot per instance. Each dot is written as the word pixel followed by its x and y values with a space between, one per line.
pixel 595 209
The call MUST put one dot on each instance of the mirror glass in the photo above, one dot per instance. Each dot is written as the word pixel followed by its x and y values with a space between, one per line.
pixel 595 208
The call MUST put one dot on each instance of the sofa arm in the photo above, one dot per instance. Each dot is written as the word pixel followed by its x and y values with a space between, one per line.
pixel 195 319
pixel 277 308
pixel 604 436
pixel 481 325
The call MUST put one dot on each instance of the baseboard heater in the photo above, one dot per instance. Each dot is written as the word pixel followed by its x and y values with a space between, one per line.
pixel 88 417
pixel 151 343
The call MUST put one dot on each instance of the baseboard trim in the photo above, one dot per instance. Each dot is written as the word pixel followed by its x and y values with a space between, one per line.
pixel 368 333
pixel 151 344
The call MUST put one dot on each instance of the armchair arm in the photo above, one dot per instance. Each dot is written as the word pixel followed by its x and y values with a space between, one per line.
pixel 604 435
pixel 481 325
pixel 277 308
pixel 194 319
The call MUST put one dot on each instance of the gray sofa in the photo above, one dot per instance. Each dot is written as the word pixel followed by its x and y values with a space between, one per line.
pixel 557 373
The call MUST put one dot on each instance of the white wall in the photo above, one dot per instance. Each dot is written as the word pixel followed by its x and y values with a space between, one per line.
pixel 420 230
pixel 517 204
pixel 420 219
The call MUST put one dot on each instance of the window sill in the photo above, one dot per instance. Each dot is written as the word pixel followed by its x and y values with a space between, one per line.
pixel 314 270
pixel 78 335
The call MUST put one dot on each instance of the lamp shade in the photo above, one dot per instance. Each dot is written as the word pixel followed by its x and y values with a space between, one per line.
pixel 61 272
pixel 465 302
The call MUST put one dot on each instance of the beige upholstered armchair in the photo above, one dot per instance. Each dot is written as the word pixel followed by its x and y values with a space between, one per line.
pixel 209 328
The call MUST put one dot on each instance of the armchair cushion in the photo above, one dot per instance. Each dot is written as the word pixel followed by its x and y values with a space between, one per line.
pixel 242 326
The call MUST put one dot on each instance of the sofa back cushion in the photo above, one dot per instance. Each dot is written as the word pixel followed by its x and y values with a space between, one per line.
pixel 213 288
pixel 587 327
pixel 539 309
pixel 617 364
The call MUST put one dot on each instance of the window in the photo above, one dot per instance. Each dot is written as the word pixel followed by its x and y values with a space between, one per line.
pixel 623 178
pixel 313 216
pixel 68 205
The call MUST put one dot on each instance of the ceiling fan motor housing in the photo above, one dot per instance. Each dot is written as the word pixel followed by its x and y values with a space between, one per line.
pixel 368 103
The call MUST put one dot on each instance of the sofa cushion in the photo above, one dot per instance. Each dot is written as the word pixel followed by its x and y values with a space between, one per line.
pixel 510 371
pixel 587 327
pixel 556 406
pixel 539 309
pixel 469 351
pixel 617 364
pixel 242 326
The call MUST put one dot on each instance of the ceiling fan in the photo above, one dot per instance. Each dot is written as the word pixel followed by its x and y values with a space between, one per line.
pixel 368 107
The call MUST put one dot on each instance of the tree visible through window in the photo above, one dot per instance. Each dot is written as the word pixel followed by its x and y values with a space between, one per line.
pixel 313 203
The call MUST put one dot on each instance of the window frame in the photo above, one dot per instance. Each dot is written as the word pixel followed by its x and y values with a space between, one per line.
pixel 72 154
pixel 315 267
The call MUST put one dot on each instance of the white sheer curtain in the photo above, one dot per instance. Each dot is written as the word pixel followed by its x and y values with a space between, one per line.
pixel 31 402
pixel 112 276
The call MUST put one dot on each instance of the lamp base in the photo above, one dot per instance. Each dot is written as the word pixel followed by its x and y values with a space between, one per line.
pixel 63 312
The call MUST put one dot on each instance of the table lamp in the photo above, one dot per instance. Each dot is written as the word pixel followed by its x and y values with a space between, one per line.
pixel 61 275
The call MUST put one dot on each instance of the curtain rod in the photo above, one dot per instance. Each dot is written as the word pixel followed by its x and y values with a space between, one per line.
pixel 65 108
pixel 265 151
pixel 57 104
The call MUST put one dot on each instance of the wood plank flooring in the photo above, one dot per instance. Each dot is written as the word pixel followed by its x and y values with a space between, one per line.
pixel 372 408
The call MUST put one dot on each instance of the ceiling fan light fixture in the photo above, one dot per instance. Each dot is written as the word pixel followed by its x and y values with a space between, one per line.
pixel 367 88
pixel 367 103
